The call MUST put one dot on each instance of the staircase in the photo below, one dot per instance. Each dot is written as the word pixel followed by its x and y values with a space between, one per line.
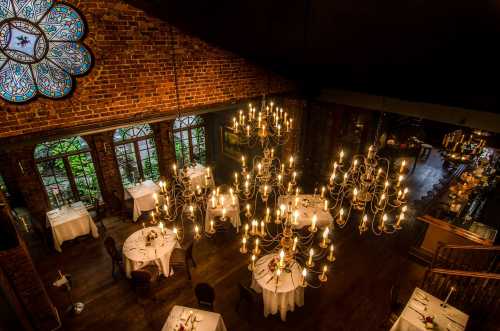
pixel 474 271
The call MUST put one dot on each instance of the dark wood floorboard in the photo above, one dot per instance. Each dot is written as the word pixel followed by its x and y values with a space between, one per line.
pixel 356 297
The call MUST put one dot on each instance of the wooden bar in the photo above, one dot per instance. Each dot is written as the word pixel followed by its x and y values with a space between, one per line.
pixel 445 232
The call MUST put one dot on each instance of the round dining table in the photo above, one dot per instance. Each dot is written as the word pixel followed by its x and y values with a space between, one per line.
pixel 137 252
pixel 281 294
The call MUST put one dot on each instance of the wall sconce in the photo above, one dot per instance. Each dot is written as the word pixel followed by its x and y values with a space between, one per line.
pixel 21 166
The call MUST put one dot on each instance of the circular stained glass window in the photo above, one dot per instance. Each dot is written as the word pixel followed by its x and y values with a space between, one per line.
pixel 40 49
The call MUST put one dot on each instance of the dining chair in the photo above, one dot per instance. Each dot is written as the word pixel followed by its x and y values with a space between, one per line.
pixel 143 280
pixel 115 254
pixel 248 295
pixel 205 295
pixel 179 261
pixel 98 214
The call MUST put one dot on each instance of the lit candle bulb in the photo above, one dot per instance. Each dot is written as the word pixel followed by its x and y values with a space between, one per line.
pixel 256 250
pixel 243 161
pixel 277 215
pixel 213 201
pixel 246 230
pixel 323 275
pixel 165 209
pixel 379 171
pixel 262 228
pixel 217 191
pixel 233 200
pixel 345 178
pixel 295 217
pixel 268 211
pixel 400 179
pixel 259 168
pixel 265 190
pixel 212 226
pixel 248 209
pixel 384 219
pixel 222 200
pixel 196 231
pixel 386 185
pixel 399 194
pixel 294 175
pixel 296 201
pixel 325 236
pixel 291 161
pixel 282 259
pixel 400 219
pixel 297 191
pixel 279 179
pixel 174 167
pixel 330 256
pixel 322 192
pixel 405 191
pixel 294 246
pixel 176 233
pixel 236 177
pixel 341 156
pixel 243 245
pixel 208 172
pixel 325 208
pixel 382 197
pixel 246 185
pixel 161 227
pixel 341 213
pixel 253 261
pixel 355 164
pixel 310 261
pixel 304 275
pixel 354 194
pixel 402 168
pixel 313 222
pixel 191 209
pixel 223 213
pixel 248 130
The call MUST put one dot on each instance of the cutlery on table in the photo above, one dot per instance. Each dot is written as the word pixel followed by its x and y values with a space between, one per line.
pixel 416 310
pixel 454 321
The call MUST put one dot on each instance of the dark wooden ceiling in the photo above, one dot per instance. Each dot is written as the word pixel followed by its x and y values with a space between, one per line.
pixel 435 51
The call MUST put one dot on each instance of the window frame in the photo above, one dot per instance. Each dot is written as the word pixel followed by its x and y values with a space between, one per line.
pixel 137 151
pixel 67 167
pixel 189 129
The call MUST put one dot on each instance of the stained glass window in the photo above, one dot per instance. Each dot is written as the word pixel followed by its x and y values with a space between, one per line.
pixel 189 139
pixel 40 49
pixel 67 171
pixel 136 154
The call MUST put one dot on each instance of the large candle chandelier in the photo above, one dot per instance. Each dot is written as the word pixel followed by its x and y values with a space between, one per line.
pixel 367 190
pixel 182 204
pixel 264 185
pixel 269 124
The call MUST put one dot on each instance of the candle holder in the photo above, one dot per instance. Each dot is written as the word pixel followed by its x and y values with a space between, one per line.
pixel 323 278
pixel 313 229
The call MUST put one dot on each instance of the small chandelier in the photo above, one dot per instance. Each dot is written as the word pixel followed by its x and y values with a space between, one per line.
pixel 367 188
pixel 182 204
pixel 270 125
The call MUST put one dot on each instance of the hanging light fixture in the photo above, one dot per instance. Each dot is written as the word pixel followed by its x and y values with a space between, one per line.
pixel 369 189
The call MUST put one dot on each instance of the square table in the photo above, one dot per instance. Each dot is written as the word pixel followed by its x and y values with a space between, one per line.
pixel 69 222
pixel 422 303
pixel 203 320
pixel 142 194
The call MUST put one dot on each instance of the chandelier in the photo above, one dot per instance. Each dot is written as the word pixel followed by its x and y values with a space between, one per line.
pixel 267 186
pixel 182 204
pixel 367 189
pixel 269 125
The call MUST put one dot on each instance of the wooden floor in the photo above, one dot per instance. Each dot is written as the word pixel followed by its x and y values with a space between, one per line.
pixel 356 296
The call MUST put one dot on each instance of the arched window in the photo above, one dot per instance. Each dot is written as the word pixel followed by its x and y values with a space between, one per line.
pixel 67 172
pixel 189 139
pixel 136 154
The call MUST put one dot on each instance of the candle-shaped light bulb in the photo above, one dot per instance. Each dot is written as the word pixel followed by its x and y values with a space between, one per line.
pixel 400 179
pixel 341 213
pixel 325 207
pixel 253 261
pixel 313 222
pixel 236 177
pixel 211 225
pixel 176 233
pixel 355 164
pixel 282 258
pixel 405 191
pixel 294 175
pixel 322 192
pixel 325 237
pixel 345 177
pixel 262 228
pixel 259 168
pixel 196 230
pixel 311 254
pixel 246 230
pixel 191 209
pixel 256 245
pixel 304 275
pixel 294 246
pixel 354 194
pixel 222 200
pixel 402 168
pixel 386 185
pixel 404 208
pixel 330 255
pixel 384 219
pixel 213 201
pixel 291 161
pixel 243 161
pixel 223 213
pixel 279 179
pixel 244 245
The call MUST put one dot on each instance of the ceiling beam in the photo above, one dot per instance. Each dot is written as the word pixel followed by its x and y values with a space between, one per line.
pixel 452 115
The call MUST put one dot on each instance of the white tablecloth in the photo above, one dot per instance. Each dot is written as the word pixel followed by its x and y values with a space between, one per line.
pixel 204 320
pixel 308 204
pixel 70 222
pixel 410 320
pixel 232 213
pixel 279 296
pixel 136 254
pixel 197 175
pixel 143 197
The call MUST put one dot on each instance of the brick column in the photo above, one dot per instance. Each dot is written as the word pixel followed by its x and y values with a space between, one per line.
pixel 20 281
pixel 105 164
pixel 18 165
pixel 164 146
pixel 295 109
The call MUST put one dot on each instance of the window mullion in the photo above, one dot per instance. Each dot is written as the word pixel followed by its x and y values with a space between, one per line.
pixel 138 159
pixel 69 173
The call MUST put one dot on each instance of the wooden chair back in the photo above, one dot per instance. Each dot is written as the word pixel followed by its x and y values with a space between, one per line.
pixel 205 295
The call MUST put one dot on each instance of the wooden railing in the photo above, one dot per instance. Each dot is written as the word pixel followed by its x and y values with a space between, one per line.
pixel 474 272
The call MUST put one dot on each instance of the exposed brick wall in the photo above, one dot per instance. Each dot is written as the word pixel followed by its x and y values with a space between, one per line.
pixel 133 74
pixel 20 278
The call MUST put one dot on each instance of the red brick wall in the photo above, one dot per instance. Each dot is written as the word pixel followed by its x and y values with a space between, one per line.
pixel 133 74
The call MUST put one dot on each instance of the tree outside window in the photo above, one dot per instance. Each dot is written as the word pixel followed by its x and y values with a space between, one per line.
pixel 136 154
pixel 67 172
pixel 189 140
